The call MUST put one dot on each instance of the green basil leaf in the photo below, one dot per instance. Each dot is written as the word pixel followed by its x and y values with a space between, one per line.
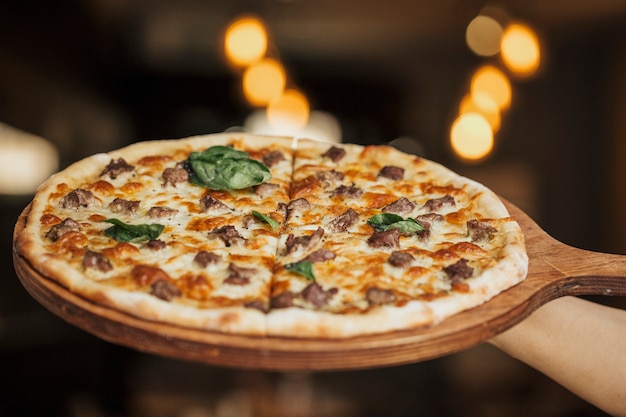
pixel 216 153
pixel 386 221
pixel 123 232
pixel 304 268
pixel 267 219
pixel 225 168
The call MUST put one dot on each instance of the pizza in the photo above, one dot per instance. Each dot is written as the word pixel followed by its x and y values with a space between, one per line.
pixel 273 236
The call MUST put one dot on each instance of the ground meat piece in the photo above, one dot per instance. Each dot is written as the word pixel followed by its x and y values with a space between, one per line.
pixel 281 208
pixel 78 198
pixel 316 295
pixel 378 296
pixel 265 189
pixel 349 191
pixel 342 222
pixel 386 239
pixel 164 290
pixel 159 212
pixel 240 272
pixel 147 275
pixel 204 258
pixel 297 206
pixel 229 235
pixel 303 242
pixel 458 271
pixel 95 260
pixel 392 172
pixel 480 231
pixel 116 167
pixel 272 158
pixel 257 304
pixel 429 218
pixel 155 244
pixel 334 153
pixel 58 230
pixel 208 202
pixel 437 204
pixel 320 255
pixel 327 178
pixel 173 176
pixel 282 300
pixel 400 206
pixel 400 259
pixel 127 207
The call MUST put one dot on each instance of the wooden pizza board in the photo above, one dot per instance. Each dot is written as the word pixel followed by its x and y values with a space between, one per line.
pixel 555 270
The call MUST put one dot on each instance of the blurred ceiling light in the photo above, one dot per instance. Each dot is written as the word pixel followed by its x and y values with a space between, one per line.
pixel 322 126
pixel 245 41
pixel 520 50
pixel 483 35
pixel 493 82
pixel 290 112
pixel 471 137
pixel 25 161
pixel 482 103
pixel 263 82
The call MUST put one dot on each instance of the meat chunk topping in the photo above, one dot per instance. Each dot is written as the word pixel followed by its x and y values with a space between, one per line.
pixel 335 153
pixel 320 255
pixel 117 167
pixel 205 258
pixel 97 261
pixel 480 231
pixel 164 290
pixel 127 207
pixel 385 239
pixel 210 203
pixel 349 191
pixel 437 204
pixel 316 295
pixel 305 242
pixel 378 296
pixel 272 158
pixel 458 271
pixel 238 275
pixel 342 222
pixel 173 176
pixel 78 198
pixel 229 235
pixel 159 212
pixel 400 206
pixel 66 226
pixel 400 259
pixel 392 172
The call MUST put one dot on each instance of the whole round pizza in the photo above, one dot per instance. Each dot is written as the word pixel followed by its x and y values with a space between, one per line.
pixel 273 236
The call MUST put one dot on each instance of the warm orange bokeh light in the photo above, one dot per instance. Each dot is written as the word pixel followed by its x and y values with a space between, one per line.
pixel 245 41
pixel 264 82
pixel 290 112
pixel 483 36
pixel 483 104
pixel 520 50
pixel 471 137
pixel 493 82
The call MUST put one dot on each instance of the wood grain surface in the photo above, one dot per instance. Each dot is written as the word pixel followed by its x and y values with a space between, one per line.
pixel 555 270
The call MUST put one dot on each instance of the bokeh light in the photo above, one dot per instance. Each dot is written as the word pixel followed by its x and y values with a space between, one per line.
pixel 290 112
pixel 471 137
pixel 263 82
pixel 520 50
pixel 482 103
pixel 493 82
pixel 245 41
pixel 483 35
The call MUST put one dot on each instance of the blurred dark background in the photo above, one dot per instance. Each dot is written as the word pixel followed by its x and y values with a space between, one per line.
pixel 95 75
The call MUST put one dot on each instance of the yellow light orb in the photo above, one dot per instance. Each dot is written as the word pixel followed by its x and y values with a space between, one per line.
pixel 289 113
pixel 471 137
pixel 484 104
pixel 493 82
pixel 483 35
pixel 263 82
pixel 245 41
pixel 520 50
